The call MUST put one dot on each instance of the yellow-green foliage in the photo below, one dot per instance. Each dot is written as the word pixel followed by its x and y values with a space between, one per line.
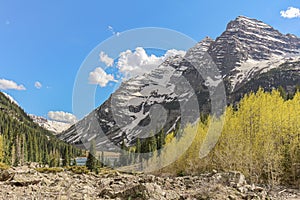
pixel 261 138
pixel 3 166
pixel 169 138
pixel 1 148
pixel 78 169
pixel 50 169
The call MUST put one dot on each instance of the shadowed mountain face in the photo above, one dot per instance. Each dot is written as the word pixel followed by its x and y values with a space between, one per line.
pixel 247 55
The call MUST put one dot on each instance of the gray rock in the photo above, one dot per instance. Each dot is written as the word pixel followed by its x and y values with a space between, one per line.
pixel 65 185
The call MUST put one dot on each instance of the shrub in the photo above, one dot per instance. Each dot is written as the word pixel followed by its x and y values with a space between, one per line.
pixel 78 169
pixel 50 169
pixel 3 166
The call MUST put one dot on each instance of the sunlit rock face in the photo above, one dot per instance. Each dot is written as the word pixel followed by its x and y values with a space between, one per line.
pixel 249 54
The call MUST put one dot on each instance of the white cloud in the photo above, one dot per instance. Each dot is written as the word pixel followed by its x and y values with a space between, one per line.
pixel 38 85
pixel 62 116
pixel 100 77
pixel 106 59
pixel 10 85
pixel 110 28
pixel 174 52
pixel 290 13
pixel 138 62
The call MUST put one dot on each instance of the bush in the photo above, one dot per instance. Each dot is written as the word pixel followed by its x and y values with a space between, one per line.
pixel 78 169
pixel 181 173
pixel 50 169
pixel 3 166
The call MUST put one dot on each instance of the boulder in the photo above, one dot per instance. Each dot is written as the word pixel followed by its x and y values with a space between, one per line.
pixel 6 175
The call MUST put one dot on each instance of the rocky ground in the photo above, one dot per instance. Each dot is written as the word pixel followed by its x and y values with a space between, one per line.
pixel 26 183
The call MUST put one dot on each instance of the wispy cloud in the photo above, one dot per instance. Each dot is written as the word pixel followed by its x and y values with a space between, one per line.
pixel 38 85
pixel 62 116
pixel 290 13
pixel 111 29
pixel 106 59
pixel 100 77
pixel 10 85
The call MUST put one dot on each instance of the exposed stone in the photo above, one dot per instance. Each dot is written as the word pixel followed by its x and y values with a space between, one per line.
pixel 24 183
pixel 249 54
pixel 6 175
pixel 112 185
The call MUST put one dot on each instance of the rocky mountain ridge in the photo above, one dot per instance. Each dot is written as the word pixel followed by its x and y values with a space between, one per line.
pixel 247 55
pixel 249 47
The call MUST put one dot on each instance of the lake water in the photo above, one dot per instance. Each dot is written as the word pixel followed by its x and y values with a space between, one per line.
pixel 81 161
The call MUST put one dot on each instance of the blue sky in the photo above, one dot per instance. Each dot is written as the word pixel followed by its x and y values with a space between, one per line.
pixel 48 41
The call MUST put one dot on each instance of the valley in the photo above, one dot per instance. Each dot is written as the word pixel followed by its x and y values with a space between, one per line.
pixel 220 122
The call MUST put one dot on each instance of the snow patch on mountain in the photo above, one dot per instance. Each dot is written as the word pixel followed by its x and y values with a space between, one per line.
pixel 53 126
pixel 12 100
pixel 246 50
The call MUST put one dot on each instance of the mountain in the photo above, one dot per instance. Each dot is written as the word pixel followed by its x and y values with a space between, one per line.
pixel 144 104
pixel 51 125
pixel 249 47
pixel 11 99
pixel 247 55
pixel 22 140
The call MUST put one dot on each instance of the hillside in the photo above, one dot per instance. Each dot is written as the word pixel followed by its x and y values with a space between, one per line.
pixel 55 127
pixel 25 141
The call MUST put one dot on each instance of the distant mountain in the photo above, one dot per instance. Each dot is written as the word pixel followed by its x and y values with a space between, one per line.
pixel 53 126
pixel 248 54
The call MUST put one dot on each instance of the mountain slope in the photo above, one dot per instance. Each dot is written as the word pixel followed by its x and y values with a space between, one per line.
pixel 25 141
pixel 126 114
pixel 248 54
pixel 54 126
pixel 249 47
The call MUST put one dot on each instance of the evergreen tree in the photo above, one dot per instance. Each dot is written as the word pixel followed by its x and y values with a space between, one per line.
pixel 74 162
pixel 283 93
pixel 1 148
pixel 123 154
pixel 91 162
pixel 102 159
pixel 66 157
pixel 160 139
pixel 25 141
pixel 152 144
pixel 138 150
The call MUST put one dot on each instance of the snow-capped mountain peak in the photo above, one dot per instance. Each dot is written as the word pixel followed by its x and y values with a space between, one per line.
pixel 249 54
pixel 246 41
pixel 54 126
